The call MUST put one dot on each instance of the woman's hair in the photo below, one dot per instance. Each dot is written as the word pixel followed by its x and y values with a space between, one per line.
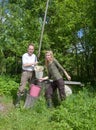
pixel 52 57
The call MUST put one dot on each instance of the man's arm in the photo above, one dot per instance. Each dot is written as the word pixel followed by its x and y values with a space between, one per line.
pixel 30 64
pixel 25 62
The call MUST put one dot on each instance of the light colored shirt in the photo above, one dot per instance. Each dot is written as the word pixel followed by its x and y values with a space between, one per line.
pixel 27 59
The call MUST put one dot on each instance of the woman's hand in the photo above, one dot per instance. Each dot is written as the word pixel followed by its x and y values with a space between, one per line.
pixel 68 77
pixel 42 79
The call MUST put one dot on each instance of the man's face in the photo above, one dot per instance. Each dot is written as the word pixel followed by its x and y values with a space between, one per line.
pixel 30 50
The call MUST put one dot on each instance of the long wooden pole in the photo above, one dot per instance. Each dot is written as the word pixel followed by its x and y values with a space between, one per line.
pixel 42 31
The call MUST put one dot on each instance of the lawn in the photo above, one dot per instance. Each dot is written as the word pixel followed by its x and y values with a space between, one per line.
pixel 77 112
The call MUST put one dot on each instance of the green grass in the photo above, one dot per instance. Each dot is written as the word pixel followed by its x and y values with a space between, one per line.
pixel 36 118
pixel 78 112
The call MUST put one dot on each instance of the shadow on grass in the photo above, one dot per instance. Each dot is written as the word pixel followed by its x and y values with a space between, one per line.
pixel 14 96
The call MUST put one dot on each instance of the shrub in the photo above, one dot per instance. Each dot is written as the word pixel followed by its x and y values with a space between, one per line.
pixel 76 113
pixel 7 85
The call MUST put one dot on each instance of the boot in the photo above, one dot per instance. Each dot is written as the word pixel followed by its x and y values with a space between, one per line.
pixel 49 103
pixel 63 98
pixel 17 104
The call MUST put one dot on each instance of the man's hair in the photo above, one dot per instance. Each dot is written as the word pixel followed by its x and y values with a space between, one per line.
pixel 31 44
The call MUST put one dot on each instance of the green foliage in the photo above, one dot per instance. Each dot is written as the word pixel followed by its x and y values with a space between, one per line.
pixel 21 22
pixel 7 85
pixel 77 112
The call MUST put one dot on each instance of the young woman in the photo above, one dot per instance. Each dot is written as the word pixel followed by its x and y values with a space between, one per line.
pixel 54 72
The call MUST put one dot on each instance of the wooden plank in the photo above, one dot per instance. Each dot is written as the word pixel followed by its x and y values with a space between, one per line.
pixel 73 83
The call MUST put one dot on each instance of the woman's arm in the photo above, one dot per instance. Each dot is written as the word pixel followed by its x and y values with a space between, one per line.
pixel 42 79
pixel 62 69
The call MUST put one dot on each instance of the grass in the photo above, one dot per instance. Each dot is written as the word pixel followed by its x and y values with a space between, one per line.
pixel 25 119
pixel 78 112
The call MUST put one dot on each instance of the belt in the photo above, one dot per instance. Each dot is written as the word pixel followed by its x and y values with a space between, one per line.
pixel 26 71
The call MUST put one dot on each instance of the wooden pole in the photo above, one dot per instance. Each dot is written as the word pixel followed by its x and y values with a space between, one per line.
pixel 42 31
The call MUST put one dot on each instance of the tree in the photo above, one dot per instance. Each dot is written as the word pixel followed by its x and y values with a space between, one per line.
pixel 21 22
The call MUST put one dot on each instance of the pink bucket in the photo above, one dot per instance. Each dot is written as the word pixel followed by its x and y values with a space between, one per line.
pixel 34 90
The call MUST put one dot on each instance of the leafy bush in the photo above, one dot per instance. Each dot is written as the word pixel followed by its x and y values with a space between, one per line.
pixel 76 113
pixel 7 85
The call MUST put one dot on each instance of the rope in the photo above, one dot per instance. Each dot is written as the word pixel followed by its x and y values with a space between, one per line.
pixel 42 31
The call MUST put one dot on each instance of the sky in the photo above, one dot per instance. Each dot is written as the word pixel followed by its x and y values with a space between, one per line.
pixel 80 33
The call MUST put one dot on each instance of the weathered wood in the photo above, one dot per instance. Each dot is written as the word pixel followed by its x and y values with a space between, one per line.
pixel 30 101
pixel 73 83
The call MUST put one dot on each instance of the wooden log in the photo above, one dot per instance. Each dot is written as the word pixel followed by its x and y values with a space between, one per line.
pixel 73 83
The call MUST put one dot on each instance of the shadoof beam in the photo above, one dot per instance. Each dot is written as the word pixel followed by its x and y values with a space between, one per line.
pixel 42 31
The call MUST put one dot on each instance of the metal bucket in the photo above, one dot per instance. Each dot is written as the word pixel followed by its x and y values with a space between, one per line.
pixel 39 71
pixel 34 90
pixel 39 74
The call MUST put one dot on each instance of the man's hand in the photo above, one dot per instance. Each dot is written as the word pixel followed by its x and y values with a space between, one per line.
pixel 35 63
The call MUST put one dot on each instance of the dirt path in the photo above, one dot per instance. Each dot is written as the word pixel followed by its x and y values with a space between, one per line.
pixel 5 106
pixel 2 107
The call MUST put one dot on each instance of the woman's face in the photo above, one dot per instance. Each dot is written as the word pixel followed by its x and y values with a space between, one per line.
pixel 48 57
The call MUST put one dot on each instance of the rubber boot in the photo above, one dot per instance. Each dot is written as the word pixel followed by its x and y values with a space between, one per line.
pixel 49 103
pixel 17 104
pixel 63 98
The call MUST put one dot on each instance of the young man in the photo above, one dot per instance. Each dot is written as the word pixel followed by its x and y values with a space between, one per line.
pixel 29 60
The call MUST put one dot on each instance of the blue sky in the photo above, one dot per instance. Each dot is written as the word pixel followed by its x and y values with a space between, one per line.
pixel 80 33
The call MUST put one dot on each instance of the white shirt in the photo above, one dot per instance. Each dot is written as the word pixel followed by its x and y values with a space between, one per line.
pixel 27 59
